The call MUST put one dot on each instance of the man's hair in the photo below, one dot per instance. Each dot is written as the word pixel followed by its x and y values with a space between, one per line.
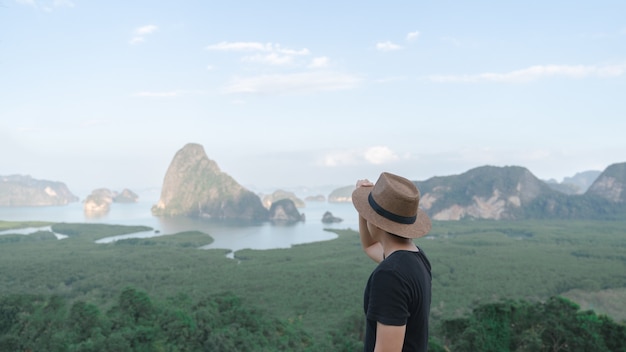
pixel 396 236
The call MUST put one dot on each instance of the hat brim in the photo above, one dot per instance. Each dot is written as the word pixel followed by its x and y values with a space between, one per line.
pixel 419 228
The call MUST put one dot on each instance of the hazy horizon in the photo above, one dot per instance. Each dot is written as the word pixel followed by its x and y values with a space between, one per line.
pixel 291 94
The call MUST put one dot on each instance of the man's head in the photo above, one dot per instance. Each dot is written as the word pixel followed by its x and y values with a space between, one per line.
pixel 392 204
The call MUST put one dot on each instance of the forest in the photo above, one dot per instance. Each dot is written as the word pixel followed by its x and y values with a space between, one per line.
pixel 497 286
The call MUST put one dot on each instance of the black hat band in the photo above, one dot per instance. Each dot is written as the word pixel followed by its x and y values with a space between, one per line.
pixel 389 215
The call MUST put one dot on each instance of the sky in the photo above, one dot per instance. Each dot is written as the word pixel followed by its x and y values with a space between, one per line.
pixel 309 93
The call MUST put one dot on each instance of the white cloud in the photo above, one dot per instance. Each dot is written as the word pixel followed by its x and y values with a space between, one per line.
pixel 140 33
pixel 310 79
pixel 306 82
pixel 537 72
pixel 238 46
pixel 380 155
pixel 267 53
pixel 256 46
pixel 146 29
pixel 341 158
pixel 319 62
pixel 387 46
pixel 412 36
pixel 376 155
pixel 301 52
pixel 210 67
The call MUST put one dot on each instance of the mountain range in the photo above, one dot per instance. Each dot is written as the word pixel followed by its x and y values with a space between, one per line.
pixel 513 192
pixel 195 186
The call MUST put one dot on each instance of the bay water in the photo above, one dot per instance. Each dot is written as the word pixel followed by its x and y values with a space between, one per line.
pixel 228 235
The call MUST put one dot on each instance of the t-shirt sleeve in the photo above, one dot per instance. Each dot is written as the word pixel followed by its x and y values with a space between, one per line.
pixel 388 302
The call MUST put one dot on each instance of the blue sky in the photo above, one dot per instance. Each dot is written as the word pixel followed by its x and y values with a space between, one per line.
pixel 301 93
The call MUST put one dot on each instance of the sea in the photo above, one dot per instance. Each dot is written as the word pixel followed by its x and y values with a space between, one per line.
pixel 229 235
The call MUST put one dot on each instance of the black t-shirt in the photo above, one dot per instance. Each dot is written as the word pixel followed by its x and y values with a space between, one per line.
pixel 398 293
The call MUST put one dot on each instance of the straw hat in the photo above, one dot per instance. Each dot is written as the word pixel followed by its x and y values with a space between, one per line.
pixel 393 205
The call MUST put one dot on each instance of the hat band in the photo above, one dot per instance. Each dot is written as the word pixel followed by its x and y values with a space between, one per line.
pixel 389 215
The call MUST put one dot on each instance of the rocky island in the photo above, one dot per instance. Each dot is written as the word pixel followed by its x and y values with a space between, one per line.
pixel 99 201
pixel 329 218
pixel 285 210
pixel 195 186
pixel 269 199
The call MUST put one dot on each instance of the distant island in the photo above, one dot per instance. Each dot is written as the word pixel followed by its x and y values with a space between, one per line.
pixel 99 201
pixel 25 191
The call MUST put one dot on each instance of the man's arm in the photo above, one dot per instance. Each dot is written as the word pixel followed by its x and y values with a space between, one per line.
pixel 389 338
pixel 372 248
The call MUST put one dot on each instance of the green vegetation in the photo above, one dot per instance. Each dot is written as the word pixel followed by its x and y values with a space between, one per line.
pixel 223 323
pixel 93 232
pixel 10 225
pixel 562 206
pixel 316 289
pixel 556 325
pixel 136 323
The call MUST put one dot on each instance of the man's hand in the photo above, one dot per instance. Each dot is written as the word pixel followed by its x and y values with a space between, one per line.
pixel 370 246
pixel 364 183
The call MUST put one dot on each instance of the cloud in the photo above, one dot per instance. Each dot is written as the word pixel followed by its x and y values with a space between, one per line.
pixel 238 46
pixel 341 158
pixel 412 36
pixel 319 62
pixel 376 155
pixel 314 75
pixel 140 33
pixel 380 155
pixel 256 46
pixel 305 82
pixel 267 53
pixel 537 72
pixel 387 46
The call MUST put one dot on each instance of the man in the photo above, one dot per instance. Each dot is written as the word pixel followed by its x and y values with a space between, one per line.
pixel 397 295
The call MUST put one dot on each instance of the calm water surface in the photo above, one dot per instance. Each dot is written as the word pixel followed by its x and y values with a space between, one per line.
pixel 226 235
